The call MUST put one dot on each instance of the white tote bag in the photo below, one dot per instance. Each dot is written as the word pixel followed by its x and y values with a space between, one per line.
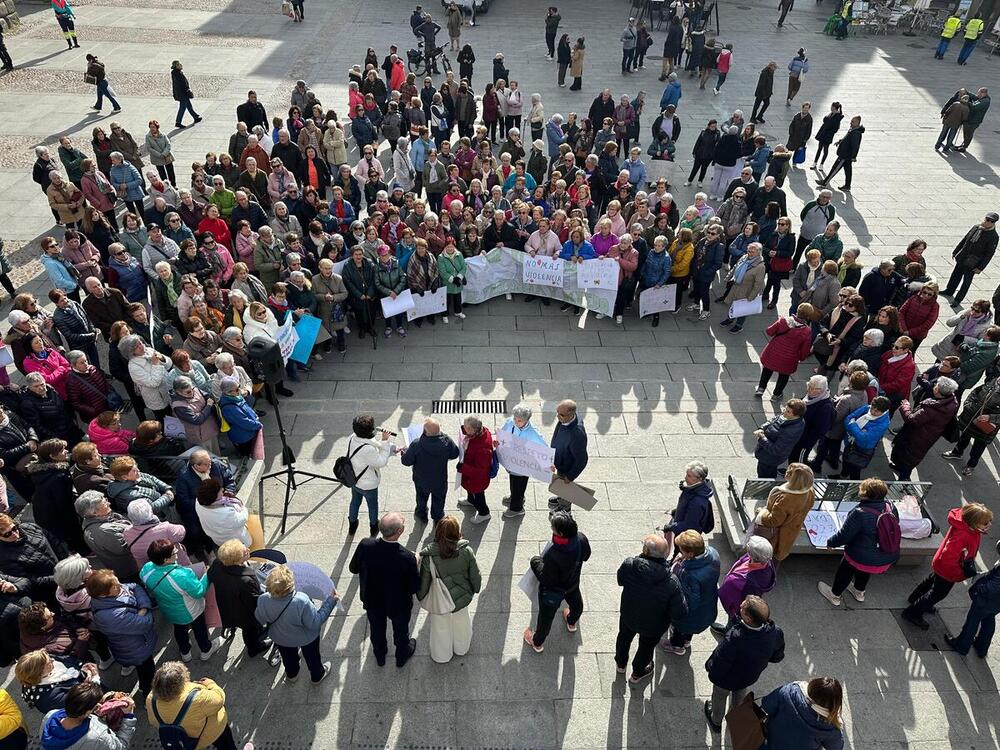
pixel 438 600
pixel 744 307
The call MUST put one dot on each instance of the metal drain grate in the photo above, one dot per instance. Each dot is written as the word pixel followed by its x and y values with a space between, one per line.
pixel 486 406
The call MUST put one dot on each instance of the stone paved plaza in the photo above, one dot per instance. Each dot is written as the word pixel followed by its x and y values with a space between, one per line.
pixel 652 399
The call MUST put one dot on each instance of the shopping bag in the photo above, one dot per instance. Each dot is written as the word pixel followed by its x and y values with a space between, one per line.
pixel 438 600
pixel 800 155
pixel 744 307
pixel 746 725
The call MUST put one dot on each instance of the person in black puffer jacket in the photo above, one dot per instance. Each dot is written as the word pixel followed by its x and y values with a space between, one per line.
pixel 237 589
pixel 651 600
pixel 52 503
pixel 47 412
pixel 558 572
pixel 17 440
pixel 694 508
pixel 704 151
pixel 28 551
pixel 777 437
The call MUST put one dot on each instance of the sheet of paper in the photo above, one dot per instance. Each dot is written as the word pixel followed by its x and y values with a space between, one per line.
pixel 403 303
pixel 820 525
pixel 655 300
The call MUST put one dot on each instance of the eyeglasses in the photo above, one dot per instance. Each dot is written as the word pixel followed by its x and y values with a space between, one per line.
pixel 782 223
pixel 9 533
pixel 897 347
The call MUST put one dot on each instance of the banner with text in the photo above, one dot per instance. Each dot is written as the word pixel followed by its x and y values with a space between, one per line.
pixel 428 303
pixel 657 300
pixel 525 458
pixel 598 274
pixel 542 271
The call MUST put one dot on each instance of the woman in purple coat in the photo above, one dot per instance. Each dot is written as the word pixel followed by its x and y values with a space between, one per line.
pixel 753 574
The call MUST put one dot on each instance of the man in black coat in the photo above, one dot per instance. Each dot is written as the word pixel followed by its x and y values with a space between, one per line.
pixel 767 192
pixel 237 589
pixel 252 113
pixel 651 600
pixel 972 255
pixel 570 442
pixel 200 466
pixel 741 657
pixel 762 94
pixel 879 286
pixel 389 579
pixel 745 181
pixel 847 154
pixel 249 210
pixel 289 153
pixel 603 106
pixel 429 456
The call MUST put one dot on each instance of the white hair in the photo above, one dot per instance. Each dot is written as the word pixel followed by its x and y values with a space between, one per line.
pixel 697 468
pixel 521 411
pixel 86 504
pixel 759 549
pixel 946 385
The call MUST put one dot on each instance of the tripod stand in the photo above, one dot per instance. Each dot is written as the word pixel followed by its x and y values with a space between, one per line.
pixel 288 475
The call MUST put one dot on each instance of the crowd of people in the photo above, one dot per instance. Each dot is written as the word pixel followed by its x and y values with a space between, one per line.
pixel 170 285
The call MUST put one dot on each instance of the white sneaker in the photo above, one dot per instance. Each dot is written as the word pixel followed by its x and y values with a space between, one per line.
pixel 687 184
pixel 693 307
pixel 444 319
pixel 509 298
pixel 618 319
pixel 827 593
pixel 460 316
pixel 480 518
pixel 347 330
pixel 513 513
pixel 216 645
pixel 858 595
pixel 705 314
pixel 186 657
pixel 462 503
pixel 599 316
pixel 716 91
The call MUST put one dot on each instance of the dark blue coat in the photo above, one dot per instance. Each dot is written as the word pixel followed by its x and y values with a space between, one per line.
pixel 651 595
pixel 429 457
pixel 699 579
pixel 692 509
pixel 859 537
pixel 715 256
pixel 877 290
pixel 570 443
pixel 985 592
pixel 780 436
pixel 131 636
pixel 792 724
pixel 740 659
pixel 818 421
pixel 242 419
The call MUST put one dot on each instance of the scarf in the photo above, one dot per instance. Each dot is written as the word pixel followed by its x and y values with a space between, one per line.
pixel 898 357
pixel 816 399
pixel 970 323
pixel 863 420
pixel 172 293
pixel 745 264
pixel 43 354
pixel 811 275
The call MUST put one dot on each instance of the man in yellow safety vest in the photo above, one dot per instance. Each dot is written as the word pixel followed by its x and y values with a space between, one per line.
pixel 951 27
pixel 973 30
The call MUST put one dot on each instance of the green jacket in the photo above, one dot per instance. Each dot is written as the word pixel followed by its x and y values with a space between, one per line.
pixel 389 280
pixel 73 158
pixel 459 573
pixel 225 200
pixel 830 247
pixel 975 358
pixel 179 593
pixel 977 111
pixel 450 266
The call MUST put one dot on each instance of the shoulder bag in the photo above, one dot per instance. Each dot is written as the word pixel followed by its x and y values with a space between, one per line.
pixel 438 600
pixel 113 397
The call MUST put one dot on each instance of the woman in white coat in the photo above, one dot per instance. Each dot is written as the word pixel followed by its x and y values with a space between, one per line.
pixel 261 323
pixel 148 370
pixel 450 560
pixel 367 456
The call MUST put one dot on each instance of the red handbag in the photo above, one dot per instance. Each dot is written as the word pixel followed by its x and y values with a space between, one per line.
pixel 781 265
pixel 985 426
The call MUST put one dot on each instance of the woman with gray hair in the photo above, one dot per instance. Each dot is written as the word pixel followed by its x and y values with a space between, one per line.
pixel 694 508
pixel 818 418
pixel 475 466
pixel 753 574
pixel 284 222
pixel 148 369
pixel 147 528
pixel 196 413
pixel 519 425
pixel 924 423
pixel 104 531
pixel 227 367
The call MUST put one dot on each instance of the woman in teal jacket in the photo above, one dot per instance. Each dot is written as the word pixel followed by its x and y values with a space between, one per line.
pixel 180 595
pixel 390 281
pixel 451 268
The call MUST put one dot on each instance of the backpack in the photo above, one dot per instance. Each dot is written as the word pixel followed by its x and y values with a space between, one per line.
pixel 172 734
pixel 343 469
pixel 887 530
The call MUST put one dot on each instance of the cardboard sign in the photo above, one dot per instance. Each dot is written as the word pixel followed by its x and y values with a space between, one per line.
pixel 287 338
pixel 598 274
pixel 543 271
pixel 655 300
pixel 573 493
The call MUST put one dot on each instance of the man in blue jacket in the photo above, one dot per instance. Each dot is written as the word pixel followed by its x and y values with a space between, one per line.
pixel 429 456
pixel 570 443
pixel 777 438
pixel 741 657
pixel 980 623
pixel 672 93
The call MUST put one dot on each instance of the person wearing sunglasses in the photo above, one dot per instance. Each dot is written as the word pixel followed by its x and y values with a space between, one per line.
pixel 30 554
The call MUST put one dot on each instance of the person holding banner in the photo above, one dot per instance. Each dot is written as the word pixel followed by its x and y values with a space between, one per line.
pixel 747 279
pixel 576 250
pixel 627 258
pixel 519 425
pixel 655 272
pixel 359 278
pixel 421 275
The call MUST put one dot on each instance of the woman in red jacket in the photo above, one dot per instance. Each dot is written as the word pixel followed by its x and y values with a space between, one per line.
pixel 790 344
pixel 953 562
pixel 895 374
pixel 475 466
pixel 919 314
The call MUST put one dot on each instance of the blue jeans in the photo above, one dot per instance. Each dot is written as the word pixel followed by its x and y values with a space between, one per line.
pixel 946 137
pixel 721 80
pixel 942 47
pixel 970 44
pixel 977 631
pixel 103 90
pixel 370 497
pixel 185 106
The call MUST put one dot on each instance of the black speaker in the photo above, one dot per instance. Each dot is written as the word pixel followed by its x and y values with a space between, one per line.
pixel 266 358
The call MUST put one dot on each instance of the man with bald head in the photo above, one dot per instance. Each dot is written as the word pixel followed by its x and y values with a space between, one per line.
pixel 429 456
pixel 651 600
pixel 389 579
pixel 104 305
pixel 570 443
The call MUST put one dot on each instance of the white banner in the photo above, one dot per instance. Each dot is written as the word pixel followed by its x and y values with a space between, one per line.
pixel 542 271
pixel 428 304
pixel 598 274
pixel 287 337
pixel 338 267
pixel 403 303
pixel 524 457
pixel 655 300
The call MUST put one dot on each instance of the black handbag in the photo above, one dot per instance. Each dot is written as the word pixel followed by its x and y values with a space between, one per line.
pixel 855 457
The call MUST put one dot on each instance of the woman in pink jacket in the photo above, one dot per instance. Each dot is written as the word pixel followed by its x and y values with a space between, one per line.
pixel 107 434
pixel 627 258
pixel 50 363
pixel 81 252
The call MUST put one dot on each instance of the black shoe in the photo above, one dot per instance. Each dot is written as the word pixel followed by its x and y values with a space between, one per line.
pixel 636 677
pixel 282 391
pixel 352 526
pixel 915 619
pixel 432 321
pixel 717 728
pixel 656 321
pixel 545 301
pixel 77 45
pixel 422 517
pixel 564 307
pixel 260 412
pixel 951 644
pixel 342 349
pixel 761 120
pixel 179 126
pixel 373 529
pixel 198 119
pixel 380 661
pixel 401 660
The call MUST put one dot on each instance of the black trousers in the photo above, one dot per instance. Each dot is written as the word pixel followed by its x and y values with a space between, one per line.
pixel 766 470
pixel 928 593
pixel 626 293
pixel 828 450
pixel 546 614
pixel 5 58
pixel 225 741
pixel 978 448
pixel 847 166
pixel 623 644
pixel 310 652
pixel 253 639
pixel 699 165
pixel 437 502
pixel 200 629
pixel 167 172
pixel 960 279
pixel 145 672
pixel 765 376
pixel 400 633
pixel 550 43
pixel 478 500
pixel 563 67
pixel 822 150
pixel 518 485
pixel 845 574
pixel 759 107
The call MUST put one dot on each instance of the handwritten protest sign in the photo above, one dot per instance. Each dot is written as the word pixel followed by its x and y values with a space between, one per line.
pixel 655 300
pixel 309 330
pixel 543 271
pixel 597 274
pixel 524 457
pixel 403 303
pixel 287 338
pixel 428 304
